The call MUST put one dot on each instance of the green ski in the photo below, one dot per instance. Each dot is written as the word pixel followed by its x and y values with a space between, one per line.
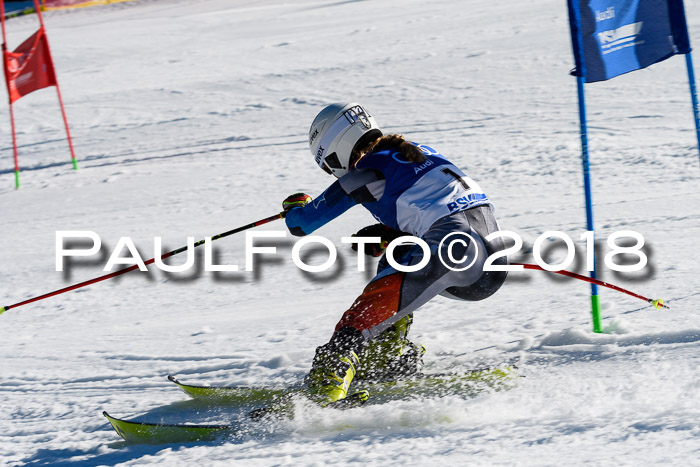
pixel 234 394
pixel 139 432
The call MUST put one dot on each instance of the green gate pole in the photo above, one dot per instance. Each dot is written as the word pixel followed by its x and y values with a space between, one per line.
pixel 595 300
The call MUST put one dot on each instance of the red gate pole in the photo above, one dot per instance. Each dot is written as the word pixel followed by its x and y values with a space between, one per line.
pixel 58 89
pixel 12 115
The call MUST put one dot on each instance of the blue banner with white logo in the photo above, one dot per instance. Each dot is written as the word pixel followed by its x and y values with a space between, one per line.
pixel 612 37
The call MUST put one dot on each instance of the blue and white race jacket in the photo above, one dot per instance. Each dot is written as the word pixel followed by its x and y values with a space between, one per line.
pixel 405 196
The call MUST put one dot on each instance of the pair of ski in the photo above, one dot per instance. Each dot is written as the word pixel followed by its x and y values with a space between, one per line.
pixel 277 402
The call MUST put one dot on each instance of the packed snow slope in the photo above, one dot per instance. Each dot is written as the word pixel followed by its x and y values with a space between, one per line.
pixel 190 119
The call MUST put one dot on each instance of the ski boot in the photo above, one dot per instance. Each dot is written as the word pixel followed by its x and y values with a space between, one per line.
pixel 334 368
pixel 390 356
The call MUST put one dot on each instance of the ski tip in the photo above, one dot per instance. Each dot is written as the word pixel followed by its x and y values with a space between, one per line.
pixel 172 378
pixel 105 414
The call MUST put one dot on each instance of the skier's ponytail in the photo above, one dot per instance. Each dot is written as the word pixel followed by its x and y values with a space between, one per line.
pixel 409 151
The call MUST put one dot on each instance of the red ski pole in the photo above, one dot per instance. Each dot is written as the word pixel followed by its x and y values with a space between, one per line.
pixel 281 215
pixel 657 303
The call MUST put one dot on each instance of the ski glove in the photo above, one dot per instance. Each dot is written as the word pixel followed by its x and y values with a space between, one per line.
pixel 297 200
pixel 387 234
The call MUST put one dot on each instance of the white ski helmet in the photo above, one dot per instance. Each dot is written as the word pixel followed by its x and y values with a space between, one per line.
pixel 336 131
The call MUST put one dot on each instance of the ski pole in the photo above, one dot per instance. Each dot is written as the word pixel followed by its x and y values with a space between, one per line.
pixel 658 303
pixel 281 215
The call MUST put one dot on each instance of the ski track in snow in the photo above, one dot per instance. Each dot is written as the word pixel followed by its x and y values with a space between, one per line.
pixel 189 119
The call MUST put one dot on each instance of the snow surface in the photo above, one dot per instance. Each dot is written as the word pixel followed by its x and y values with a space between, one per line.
pixel 190 119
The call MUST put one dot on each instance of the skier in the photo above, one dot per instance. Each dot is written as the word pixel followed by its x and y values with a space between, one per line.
pixel 412 190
